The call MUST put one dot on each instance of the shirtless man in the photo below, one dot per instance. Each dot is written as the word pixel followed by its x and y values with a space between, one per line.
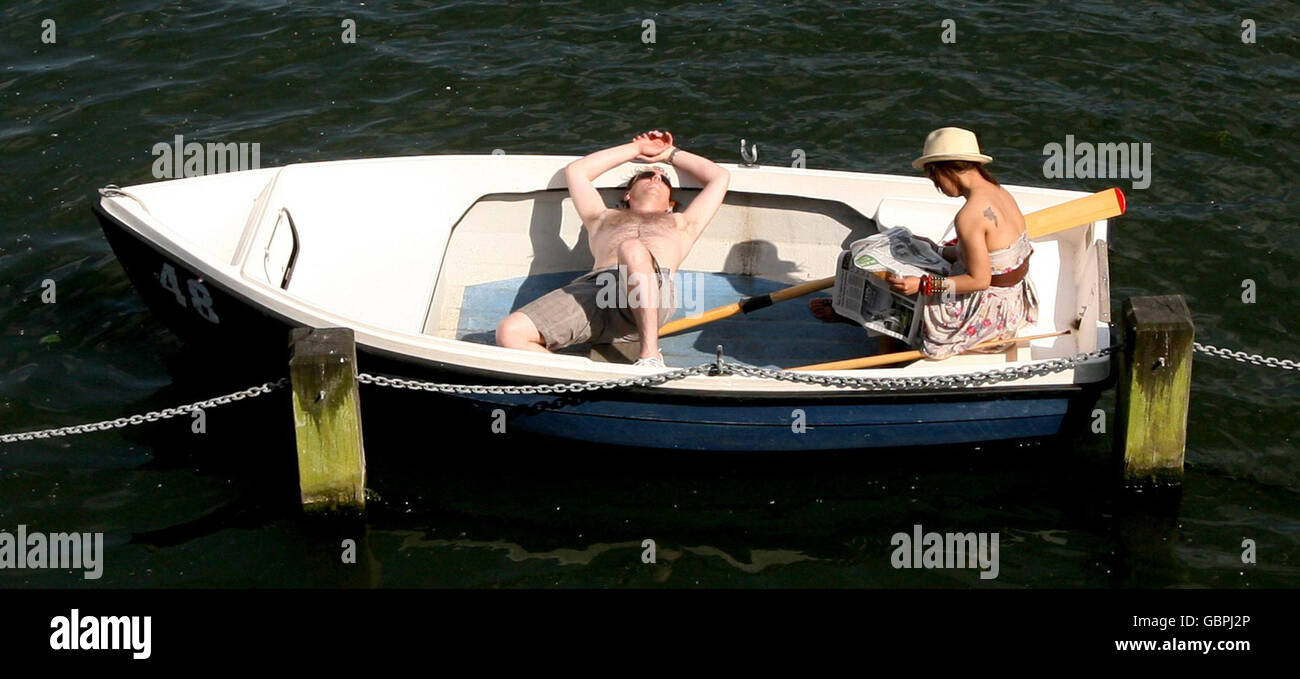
pixel 637 247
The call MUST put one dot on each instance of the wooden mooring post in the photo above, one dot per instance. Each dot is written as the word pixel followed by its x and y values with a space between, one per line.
pixel 1154 390
pixel 327 418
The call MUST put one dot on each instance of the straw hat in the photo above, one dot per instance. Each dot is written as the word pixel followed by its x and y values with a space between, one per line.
pixel 950 143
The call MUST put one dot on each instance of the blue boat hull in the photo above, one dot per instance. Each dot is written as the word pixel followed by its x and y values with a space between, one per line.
pixel 813 423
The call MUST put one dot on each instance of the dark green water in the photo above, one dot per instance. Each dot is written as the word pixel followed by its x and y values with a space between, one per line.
pixel 855 85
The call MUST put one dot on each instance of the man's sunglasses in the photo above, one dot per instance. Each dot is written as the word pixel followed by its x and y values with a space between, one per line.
pixel 650 173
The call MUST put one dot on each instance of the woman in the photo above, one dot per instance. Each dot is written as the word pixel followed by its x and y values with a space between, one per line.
pixel 990 295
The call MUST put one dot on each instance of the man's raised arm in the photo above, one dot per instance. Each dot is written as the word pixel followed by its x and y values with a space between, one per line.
pixel 715 180
pixel 580 173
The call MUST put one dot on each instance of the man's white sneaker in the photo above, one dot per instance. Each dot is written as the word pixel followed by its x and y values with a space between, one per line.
pixel 651 361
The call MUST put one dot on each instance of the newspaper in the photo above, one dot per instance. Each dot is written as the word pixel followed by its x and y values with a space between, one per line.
pixel 898 252
pixel 862 294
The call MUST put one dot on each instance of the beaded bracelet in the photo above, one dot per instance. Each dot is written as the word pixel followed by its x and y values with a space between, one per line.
pixel 941 286
pixel 931 284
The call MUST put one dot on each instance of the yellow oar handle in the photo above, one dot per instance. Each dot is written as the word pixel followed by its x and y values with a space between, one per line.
pixel 900 356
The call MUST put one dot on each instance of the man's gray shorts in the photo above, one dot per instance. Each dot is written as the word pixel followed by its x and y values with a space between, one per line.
pixel 593 310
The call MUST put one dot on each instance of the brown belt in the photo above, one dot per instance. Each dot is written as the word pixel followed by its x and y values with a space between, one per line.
pixel 1010 278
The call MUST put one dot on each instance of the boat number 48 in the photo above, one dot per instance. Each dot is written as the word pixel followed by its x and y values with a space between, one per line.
pixel 200 298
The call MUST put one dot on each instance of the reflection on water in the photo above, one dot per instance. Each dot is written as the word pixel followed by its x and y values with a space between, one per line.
pixel 759 558
pixel 515 552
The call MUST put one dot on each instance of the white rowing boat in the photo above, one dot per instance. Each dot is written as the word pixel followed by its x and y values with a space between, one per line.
pixel 422 256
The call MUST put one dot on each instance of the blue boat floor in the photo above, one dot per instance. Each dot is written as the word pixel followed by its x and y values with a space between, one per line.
pixel 780 336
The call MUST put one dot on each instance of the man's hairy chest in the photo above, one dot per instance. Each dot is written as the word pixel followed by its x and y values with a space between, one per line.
pixel 633 225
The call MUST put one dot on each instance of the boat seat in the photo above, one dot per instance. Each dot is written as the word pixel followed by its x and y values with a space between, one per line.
pixel 928 217
pixel 1053 280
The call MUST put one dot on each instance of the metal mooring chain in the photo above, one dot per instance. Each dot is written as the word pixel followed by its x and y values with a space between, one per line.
pixel 146 417
pixel 1256 359
pixel 719 367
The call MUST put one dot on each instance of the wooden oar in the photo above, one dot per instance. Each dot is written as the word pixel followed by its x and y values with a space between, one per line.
pixel 1101 205
pixel 900 356
pixel 746 305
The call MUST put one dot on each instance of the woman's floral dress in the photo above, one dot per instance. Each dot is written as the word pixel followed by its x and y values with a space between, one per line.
pixel 965 320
